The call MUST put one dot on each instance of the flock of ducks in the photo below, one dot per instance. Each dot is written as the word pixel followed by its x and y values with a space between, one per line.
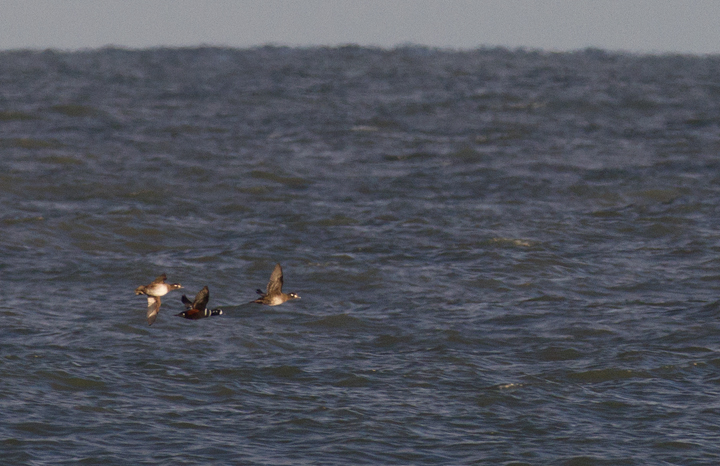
pixel 197 309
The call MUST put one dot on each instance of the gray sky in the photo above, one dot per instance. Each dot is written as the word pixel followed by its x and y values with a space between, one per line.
pixel 689 26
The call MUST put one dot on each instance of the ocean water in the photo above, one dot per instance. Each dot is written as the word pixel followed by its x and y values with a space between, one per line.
pixel 504 257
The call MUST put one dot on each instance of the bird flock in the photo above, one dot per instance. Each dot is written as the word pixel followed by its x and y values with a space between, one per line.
pixel 197 309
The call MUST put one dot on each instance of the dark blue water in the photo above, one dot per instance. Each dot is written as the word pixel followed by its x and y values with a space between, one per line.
pixel 504 257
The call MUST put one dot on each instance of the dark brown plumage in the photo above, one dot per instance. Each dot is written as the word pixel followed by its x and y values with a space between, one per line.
pixel 198 309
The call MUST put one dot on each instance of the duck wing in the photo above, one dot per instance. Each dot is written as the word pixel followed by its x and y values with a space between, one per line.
pixel 188 304
pixel 159 279
pixel 275 284
pixel 201 299
pixel 152 309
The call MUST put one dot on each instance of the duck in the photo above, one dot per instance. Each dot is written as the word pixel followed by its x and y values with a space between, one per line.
pixel 153 291
pixel 197 309
pixel 274 295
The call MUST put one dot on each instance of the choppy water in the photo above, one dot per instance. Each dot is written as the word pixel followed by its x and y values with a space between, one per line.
pixel 504 257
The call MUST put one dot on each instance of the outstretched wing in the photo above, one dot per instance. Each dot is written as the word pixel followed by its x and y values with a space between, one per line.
pixel 152 309
pixel 201 299
pixel 188 304
pixel 275 284
pixel 160 279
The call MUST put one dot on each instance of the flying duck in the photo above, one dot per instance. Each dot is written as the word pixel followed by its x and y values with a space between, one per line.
pixel 197 309
pixel 274 295
pixel 154 290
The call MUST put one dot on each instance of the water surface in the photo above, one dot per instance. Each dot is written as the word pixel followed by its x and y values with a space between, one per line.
pixel 504 257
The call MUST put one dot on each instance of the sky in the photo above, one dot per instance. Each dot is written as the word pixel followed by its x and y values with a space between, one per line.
pixel 640 26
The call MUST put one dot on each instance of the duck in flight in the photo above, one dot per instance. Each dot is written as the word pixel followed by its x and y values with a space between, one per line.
pixel 274 295
pixel 198 309
pixel 153 291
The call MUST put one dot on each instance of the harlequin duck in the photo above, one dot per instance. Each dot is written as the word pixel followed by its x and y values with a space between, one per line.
pixel 153 291
pixel 274 295
pixel 197 309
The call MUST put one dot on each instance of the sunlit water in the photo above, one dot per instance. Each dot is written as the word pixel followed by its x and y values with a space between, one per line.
pixel 503 257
